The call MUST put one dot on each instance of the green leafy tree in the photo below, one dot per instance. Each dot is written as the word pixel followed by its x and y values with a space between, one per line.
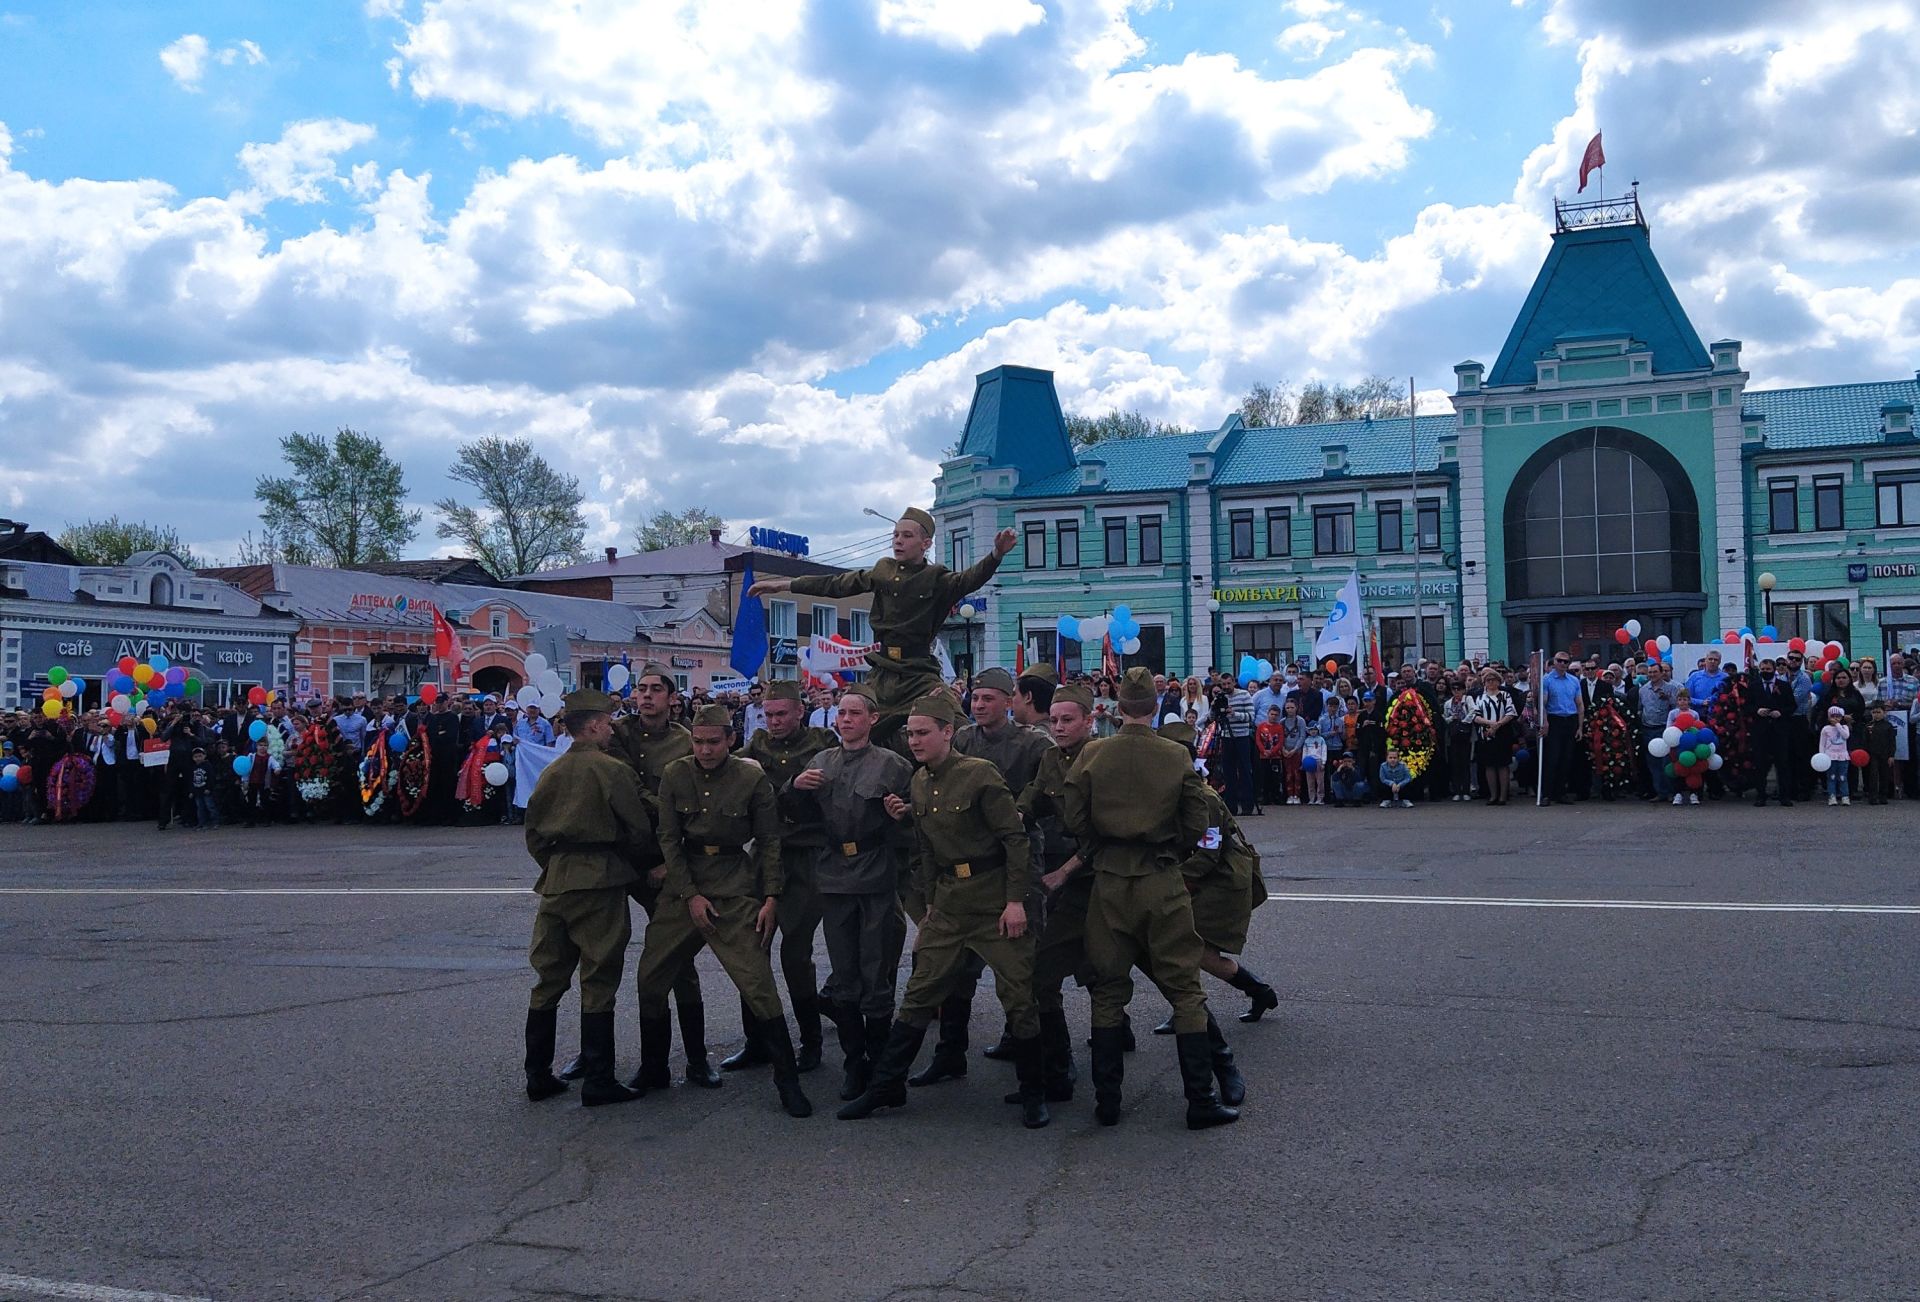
pixel 676 528
pixel 112 540
pixel 529 514
pixel 1375 396
pixel 1086 431
pixel 343 504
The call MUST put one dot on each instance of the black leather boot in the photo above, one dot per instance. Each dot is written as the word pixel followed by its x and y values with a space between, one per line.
pixel 774 1038
pixel 1005 1049
pixel 1107 1068
pixel 1166 1027
pixel 1057 1072
pixel 879 1027
pixel 693 1031
pixel 656 1041
pixel 806 1018
pixel 1262 994
pixel 1204 1108
pixel 949 1061
pixel 1233 1086
pixel 888 1089
pixel 1033 1095
pixel 599 1086
pixel 852 1030
pixel 574 1070
pixel 1127 1042
pixel 542 1027
pixel 751 1053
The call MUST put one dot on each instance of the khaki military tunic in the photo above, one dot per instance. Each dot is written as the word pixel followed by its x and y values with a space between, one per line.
pixel 801 837
pixel 1135 800
pixel 971 859
pixel 1061 951
pixel 648 751
pixel 720 833
pixel 910 603
pixel 1013 748
pixel 859 872
pixel 588 825
pixel 1224 881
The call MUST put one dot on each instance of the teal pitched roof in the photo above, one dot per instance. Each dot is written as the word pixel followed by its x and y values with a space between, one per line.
pixel 1827 415
pixel 1600 281
pixel 1016 421
pixel 1150 463
pixel 1294 452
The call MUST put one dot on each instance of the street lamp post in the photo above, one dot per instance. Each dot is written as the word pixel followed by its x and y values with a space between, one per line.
pixel 969 616
pixel 1767 582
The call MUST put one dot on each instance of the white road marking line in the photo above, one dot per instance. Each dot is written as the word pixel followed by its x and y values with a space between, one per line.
pixel 1693 906
pixel 265 890
pixel 29 1286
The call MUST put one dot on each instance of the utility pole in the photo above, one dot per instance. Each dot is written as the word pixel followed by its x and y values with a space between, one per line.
pixel 1413 443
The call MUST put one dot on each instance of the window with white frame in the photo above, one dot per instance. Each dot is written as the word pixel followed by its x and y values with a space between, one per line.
pixel 1150 539
pixel 960 551
pixel 825 621
pixel 783 619
pixel 345 677
pixel 859 628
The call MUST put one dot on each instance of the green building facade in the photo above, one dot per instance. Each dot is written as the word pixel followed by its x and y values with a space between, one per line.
pixel 1610 466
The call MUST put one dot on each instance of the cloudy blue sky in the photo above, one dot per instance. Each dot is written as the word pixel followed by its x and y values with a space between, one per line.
pixel 750 253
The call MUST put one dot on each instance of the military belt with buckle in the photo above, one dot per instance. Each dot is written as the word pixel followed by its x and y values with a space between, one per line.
pixel 896 652
pixel 962 871
pixel 851 848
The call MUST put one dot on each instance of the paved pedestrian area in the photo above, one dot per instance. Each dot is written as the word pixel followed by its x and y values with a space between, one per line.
pixel 1598 1052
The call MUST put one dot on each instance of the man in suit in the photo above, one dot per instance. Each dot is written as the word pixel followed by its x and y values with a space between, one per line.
pixel 1771 710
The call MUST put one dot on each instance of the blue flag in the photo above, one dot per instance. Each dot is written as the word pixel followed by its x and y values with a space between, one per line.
pixel 749 630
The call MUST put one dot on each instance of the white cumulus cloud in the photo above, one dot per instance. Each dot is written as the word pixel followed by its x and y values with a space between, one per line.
pixel 303 162
pixel 186 60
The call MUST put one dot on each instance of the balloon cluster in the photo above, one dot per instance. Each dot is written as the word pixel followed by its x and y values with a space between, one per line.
pixel 15 776
pixel 1691 749
pixel 1627 632
pixel 543 687
pixel 1251 671
pixel 1121 626
pixel 1657 648
pixel 133 687
pixel 1824 659
pixel 1733 636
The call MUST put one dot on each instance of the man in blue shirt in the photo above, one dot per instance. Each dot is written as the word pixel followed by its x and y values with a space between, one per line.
pixel 1566 723
pixel 533 728
pixel 1704 683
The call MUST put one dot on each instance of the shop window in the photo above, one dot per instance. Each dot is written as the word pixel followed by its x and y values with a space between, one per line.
pixel 1823 621
pixel 1271 640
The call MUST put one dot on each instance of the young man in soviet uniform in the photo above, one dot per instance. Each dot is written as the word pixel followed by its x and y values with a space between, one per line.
pixel 783 749
pixel 911 600
pixel 648 740
pixel 586 823
pixel 972 859
pixel 717 893
pixel 1015 749
pixel 858 875
pixel 1136 803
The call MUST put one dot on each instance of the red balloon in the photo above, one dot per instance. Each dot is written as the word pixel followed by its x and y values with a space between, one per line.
pixel 1696 779
pixel 1835 650
pixel 1653 649
pixel 429 692
pixel 126 665
pixel 1621 636
pixel 1797 644
pixel 1859 759
pixel 256 696
pixel 25 774
pixel 1729 638
pixel 113 717
pixel 1686 719
pixel 1765 638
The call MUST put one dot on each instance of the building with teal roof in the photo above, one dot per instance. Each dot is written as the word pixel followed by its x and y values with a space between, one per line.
pixel 1608 466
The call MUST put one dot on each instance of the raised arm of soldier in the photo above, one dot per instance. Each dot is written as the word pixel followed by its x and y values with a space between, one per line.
pixel 911 541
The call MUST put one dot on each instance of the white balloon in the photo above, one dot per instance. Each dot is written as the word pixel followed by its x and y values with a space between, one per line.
pixel 552 704
pixel 1664 642
pixel 528 695
pixel 122 703
pixel 536 665
pixel 142 707
pixel 1093 628
pixel 1659 747
pixel 9 771
pixel 1633 628
pixel 617 676
pixel 1821 763
pixel 496 774
pixel 1672 736
pixel 548 681
pixel 1130 647
pixel 1714 761
pixel 69 689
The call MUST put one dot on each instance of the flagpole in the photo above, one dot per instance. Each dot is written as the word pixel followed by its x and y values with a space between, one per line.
pixel 1413 440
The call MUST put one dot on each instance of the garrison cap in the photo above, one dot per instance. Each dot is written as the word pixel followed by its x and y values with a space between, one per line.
pixel 588 700
pixel 920 518
pixel 783 689
pixel 1181 732
pixel 940 709
pixel 654 669
pixel 995 679
pixel 713 716
pixel 1042 671
pixel 1075 694
pixel 862 691
pixel 1138 685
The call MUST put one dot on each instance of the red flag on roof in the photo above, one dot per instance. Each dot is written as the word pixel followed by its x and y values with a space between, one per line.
pixel 446 645
pixel 1595 157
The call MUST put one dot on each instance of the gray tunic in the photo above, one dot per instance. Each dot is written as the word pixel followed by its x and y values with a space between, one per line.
pixel 852 803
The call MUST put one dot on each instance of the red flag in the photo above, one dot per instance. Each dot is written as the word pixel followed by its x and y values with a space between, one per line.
pixel 1109 664
pixel 1019 659
pixel 1595 157
pixel 446 645
pixel 1373 650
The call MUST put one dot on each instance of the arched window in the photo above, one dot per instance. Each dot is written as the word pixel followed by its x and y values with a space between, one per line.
pixel 1602 512
pixel 160 590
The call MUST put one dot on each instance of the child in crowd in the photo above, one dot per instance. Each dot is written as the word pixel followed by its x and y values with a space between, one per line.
pixel 1313 764
pixel 1394 776
pixel 206 815
pixel 1269 741
pixel 1682 704
pixel 262 781
pixel 1881 741
pixel 1833 744
pixel 1349 788
pixel 1294 732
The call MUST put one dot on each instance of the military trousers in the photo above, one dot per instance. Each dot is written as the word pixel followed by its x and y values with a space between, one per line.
pixel 799 912
pixel 865 935
pixel 1060 953
pixel 896 685
pixel 672 941
pixel 1144 922
pixel 940 958
pixel 686 990
pixel 587 930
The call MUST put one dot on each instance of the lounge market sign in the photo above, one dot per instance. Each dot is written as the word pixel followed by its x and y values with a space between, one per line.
pixel 1293 594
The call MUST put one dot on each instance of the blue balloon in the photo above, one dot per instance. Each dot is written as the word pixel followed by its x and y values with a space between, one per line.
pixel 1770 631
pixel 1709 736
pixel 1309 762
pixel 1522 755
pixel 243 764
pixel 257 729
pixel 79 686
pixel 1122 615
pixel 1068 627
pixel 159 662
pixel 8 782
pixel 396 741
pixel 1745 631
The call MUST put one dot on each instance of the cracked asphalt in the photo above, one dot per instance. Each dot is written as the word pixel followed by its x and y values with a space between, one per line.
pixel 262 1096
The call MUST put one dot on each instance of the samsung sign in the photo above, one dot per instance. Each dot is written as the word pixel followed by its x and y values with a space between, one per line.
pixel 791 544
